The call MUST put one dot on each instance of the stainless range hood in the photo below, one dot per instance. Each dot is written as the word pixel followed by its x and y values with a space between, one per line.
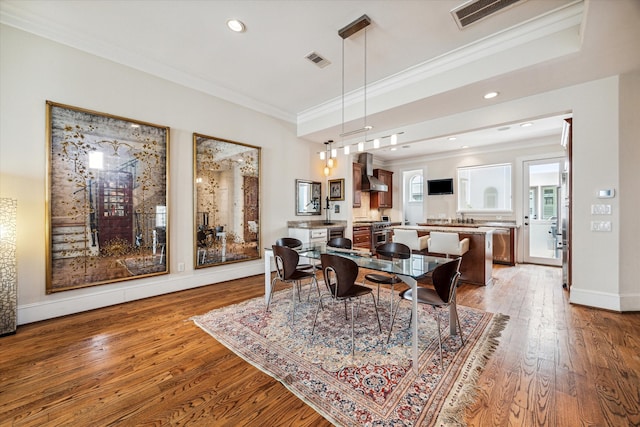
pixel 370 182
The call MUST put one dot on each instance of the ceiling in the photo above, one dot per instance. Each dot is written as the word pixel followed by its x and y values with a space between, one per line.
pixel 419 64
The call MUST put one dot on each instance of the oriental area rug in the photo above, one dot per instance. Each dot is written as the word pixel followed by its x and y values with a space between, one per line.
pixel 376 386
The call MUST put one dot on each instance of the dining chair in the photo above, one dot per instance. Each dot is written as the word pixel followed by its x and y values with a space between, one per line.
pixel 445 281
pixel 293 243
pixel 390 251
pixel 340 242
pixel 286 260
pixel 340 275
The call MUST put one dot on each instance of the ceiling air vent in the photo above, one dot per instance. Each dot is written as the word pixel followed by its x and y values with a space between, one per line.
pixel 318 60
pixel 475 10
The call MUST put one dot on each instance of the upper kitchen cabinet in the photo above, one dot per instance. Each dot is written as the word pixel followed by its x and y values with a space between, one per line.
pixel 383 199
pixel 357 185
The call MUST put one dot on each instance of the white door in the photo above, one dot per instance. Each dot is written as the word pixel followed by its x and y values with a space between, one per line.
pixel 542 209
pixel 413 197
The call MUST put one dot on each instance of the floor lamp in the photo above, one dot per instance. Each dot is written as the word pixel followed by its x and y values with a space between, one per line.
pixel 8 269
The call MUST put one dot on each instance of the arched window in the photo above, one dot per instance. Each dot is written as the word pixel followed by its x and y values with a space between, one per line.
pixel 415 188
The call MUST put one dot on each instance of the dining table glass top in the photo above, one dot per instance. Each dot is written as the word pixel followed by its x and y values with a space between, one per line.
pixel 416 267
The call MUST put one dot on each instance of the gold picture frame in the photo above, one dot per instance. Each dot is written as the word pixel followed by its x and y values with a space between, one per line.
pixel 226 198
pixel 336 189
pixel 107 203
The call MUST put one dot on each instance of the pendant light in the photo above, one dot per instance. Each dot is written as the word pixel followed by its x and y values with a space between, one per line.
pixel 361 23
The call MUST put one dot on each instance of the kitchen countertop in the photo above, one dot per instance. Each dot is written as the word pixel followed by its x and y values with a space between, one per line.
pixel 473 229
pixel 496 224
pixel 320 223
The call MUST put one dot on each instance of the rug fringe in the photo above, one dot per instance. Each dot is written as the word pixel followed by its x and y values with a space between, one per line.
pixel 453 410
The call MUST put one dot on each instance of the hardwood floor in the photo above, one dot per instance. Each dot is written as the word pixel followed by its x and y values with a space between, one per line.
pixel 145 363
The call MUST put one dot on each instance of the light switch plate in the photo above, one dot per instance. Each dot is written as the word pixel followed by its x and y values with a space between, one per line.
pixel 601 226
pixel 600 209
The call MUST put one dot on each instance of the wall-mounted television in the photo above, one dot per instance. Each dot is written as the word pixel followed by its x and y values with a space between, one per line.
pixel 439 186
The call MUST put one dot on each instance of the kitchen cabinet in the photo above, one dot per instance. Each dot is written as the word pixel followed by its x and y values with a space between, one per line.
pixel 362 236
pixel 382 199
pixel 357 185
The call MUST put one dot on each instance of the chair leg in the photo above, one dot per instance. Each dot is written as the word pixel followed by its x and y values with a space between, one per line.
pixel 377 315
pixel 315 318
pixel 353 347
pixel 459 325
pixel 273 285
pixel 393 319
pixel 314 280
pixel 439 338
pixel 293 302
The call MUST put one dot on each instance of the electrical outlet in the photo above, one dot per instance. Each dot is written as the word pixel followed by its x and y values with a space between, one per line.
pixel 181 266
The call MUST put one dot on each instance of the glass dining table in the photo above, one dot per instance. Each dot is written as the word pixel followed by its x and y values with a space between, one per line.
pixel 408 270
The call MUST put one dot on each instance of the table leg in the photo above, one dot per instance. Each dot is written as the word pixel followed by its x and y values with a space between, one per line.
pixel 268 255
pixel 414 326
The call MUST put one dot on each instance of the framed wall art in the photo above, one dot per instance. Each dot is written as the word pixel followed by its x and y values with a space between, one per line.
pixel 107 204
pixel 226 201
pixel 336 189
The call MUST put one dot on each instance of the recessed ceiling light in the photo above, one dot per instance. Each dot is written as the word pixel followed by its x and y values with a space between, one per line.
pixel 526 125
pixel 452 138
pixel 236 25
pixel 490 95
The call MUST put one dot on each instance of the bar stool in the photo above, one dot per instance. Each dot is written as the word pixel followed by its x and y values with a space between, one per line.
pixel 447 243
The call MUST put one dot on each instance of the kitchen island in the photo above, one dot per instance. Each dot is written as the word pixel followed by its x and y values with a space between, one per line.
pixel 477 264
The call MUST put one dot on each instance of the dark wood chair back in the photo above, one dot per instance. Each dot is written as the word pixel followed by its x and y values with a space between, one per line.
pixel 445 279
pixel 286 261
pixel 340 274
pixel 340 242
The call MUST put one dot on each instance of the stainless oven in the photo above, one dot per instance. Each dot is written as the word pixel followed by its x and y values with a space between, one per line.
pixel 379 234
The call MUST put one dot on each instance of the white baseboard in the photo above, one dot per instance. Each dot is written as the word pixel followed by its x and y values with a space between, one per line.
pixel 62 304
pixel 605 300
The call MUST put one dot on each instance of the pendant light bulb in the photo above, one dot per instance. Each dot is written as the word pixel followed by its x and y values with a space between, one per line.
pixel 330 162
pixel 326 171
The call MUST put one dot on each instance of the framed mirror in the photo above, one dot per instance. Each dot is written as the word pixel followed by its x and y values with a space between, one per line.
pixel 308 197
pixel 226 199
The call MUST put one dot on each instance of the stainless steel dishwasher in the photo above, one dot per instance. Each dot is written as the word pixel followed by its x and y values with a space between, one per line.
pixel 502 246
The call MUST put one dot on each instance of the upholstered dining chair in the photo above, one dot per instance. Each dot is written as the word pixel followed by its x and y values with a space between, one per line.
pixel 445 281
pixel 340 275
pixel 447 243
pixel 286 260
pixel 391 251
pixel 410 238
pixel 293 243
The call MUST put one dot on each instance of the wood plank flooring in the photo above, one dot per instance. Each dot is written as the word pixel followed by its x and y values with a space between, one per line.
pixel 145 363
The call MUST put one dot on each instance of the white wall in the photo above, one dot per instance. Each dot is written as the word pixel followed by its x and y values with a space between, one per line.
pixel 33 70
pixel 629 193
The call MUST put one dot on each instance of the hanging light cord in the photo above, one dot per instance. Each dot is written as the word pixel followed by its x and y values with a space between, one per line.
pixel 365 81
